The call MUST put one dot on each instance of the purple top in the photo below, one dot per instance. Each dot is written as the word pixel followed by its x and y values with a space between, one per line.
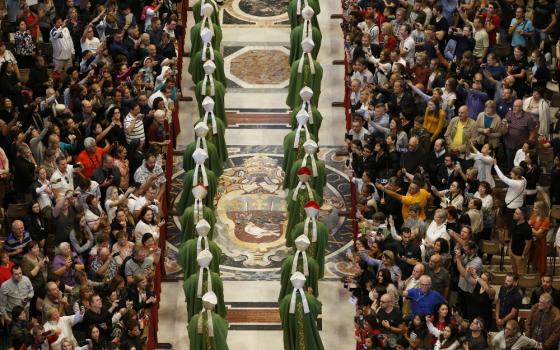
pixel 68 277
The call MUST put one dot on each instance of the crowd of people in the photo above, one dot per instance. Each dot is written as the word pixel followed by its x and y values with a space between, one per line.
pixel 87 92
pixel 453 146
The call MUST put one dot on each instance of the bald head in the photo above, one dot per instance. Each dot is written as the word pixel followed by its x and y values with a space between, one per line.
pixel 418 271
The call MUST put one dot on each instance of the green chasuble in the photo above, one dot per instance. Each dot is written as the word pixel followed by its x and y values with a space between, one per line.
pixel 186 258
pixel 300 328
pixel 187 198
pixel 197 6
pixel 291 154
pixel 316 249
pixel 317 120
pixel 312 280
pixel 219 93
pixel 189 221
pixel 194 303
pixel 305 78
pixel 296 19
pixel 218 139
pixel 214 162
pixel 202 341
pixel 197 71
pixel 296 211
pixel 317 183
pixel 297 35
pixel 196 40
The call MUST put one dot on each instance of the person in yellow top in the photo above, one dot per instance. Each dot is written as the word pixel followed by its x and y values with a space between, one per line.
pixel 434 118
pixel 460 132
pixel 415 195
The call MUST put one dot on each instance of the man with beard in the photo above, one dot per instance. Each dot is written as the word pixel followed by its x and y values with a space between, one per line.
pixel 509 301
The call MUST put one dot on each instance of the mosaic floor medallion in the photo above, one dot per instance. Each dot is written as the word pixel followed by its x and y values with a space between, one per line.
pixel 251 214
pixel 262 67
pixel 255 12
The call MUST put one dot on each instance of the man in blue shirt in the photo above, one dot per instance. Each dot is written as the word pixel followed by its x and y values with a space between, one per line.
pixel 424 298
pixel 16 242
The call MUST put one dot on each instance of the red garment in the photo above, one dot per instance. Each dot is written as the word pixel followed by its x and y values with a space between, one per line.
pixel 5 273
pixel 90 162
pixel 496 22
pixel 391 43
pixel 538 248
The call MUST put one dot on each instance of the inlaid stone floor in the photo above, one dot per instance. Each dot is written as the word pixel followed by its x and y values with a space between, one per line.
pixel 251 214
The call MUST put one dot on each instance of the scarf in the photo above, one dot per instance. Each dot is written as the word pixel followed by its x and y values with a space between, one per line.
pixel 305 264
pixel 198 209
pixel 303 300
pixel 298 132
pixel 202 169
pixel 199 244
pixel 298 187
pixel 302 61
pixel 313 163
pixel 306 106
pixel 313 228
pixel 298 6
pixel 208 77
pixel 214 124
pixel 207 46
pixel 200 281
pixel 203 144
pixel 209 26
pixel 210 323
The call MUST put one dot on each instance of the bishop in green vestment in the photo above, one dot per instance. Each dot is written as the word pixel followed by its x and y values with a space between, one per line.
pixel 318 179
pixel 315 117
pixel 194 214
pixel 198 13
pixel 299 312
pixel 195 177
pixel 297 198
pixel 207 329
pixel 186 258
pixel 304 30
pixel 216 128
pixel 208 54
pixel 196 40
pixel 304 72
pixel 303 263
pixel 317 233
pixel 214 162
pixel 198 284
pixel 294 140
pixel 203 89
pixel 294 12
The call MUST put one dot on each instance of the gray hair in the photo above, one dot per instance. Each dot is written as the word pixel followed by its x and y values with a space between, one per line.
pixel 89 142
pixel 440 213
pixel 62 246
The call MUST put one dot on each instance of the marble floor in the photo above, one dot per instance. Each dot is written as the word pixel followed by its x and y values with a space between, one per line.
pixel 254 32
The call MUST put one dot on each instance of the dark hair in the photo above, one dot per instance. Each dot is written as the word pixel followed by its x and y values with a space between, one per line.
pixel 444 245
pixel 16 312
pixel 386 277
pixel 14 267
pixel 143 212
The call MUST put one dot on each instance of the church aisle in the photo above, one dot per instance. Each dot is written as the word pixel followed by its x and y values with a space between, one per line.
pixel 251 210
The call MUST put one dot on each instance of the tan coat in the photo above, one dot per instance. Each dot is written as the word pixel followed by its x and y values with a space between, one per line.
pixel 470 133
pixel 495 131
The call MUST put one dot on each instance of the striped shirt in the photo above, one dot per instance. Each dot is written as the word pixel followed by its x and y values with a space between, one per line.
pixel 12 244
pixel 137 131
pixel 13 294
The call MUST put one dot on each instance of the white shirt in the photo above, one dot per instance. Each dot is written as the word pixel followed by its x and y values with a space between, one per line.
pixel 63 46
pixel 516 188
pixel 436 231
pixel 143 228
pixel 66 182
pixel 137 130
pixel 91 44
pixel 43 198
pixel 65 324
pixel 409 46
pixel 141 201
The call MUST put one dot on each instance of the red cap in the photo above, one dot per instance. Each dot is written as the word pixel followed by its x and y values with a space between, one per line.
pixel 312 204
pixel 304 171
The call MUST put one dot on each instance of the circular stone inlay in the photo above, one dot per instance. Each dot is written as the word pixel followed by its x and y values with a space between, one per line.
pixel 260 8
pixel 261 67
